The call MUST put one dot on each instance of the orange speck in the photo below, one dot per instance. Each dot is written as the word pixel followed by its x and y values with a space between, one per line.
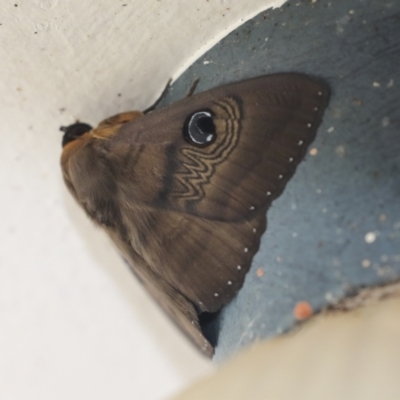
pixel 302 310
pixel 260 272
pixel 314 151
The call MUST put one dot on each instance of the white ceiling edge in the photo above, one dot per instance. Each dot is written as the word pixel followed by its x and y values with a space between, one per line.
pixel 240 19
pixel 75 323
pixel 93 58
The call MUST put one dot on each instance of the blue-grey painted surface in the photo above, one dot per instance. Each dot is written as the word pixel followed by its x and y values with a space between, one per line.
pixel 336 228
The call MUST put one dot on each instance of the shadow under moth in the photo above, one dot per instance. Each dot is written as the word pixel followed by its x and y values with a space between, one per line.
pixel 183 191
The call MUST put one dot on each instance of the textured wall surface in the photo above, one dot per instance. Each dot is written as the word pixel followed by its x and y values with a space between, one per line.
pixel 336 227
pixel 74 322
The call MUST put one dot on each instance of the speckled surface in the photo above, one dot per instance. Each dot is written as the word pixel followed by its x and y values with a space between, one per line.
pixel 336 228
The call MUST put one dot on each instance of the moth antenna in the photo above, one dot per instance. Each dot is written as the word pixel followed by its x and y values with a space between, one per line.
pixel 162 95
pixel 192 88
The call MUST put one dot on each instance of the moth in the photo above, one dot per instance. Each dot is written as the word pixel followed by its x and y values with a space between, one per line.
pixel 183 191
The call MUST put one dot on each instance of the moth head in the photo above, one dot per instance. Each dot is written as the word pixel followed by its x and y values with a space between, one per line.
pixel 199 128
pixel 74 131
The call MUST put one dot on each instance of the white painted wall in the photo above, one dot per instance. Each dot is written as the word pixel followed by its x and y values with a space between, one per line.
pixel 75 324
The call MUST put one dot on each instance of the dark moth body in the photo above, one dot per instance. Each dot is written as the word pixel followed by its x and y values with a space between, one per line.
pixel 183 191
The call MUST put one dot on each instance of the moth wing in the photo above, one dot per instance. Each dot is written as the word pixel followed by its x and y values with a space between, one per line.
pixel 263 128
pixel 174 304
pixel 201 211
pixel 204 260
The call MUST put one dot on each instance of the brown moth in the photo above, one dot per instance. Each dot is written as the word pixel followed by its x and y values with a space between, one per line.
pixel 183 191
